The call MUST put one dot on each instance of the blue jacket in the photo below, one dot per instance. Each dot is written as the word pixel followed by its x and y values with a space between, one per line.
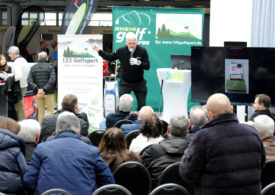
pixel 113 118
pixel 127 128
pixel 12 162
pixel 224 157
pixel 67 162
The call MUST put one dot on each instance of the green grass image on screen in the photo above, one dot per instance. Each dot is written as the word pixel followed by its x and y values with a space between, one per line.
pixel 166 33
pixel 71 54
pixel 236 85
pixel 77 19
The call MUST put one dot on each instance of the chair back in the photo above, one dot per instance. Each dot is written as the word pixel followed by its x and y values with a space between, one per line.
pixel 169 188
pixel 268 173
pixel 134 176
pixel 130 136
pixel 56 191
pixel 171 175
pixel 269 189
pixel 112 189
pixel 122 122
pixel 95 136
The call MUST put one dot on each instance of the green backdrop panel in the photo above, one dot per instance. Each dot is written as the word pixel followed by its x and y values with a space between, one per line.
pixel 163 32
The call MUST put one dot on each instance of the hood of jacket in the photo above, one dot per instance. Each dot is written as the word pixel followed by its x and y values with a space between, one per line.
pixel 9 139
pixel 174 145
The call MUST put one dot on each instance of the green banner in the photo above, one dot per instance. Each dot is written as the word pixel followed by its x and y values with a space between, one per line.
pixel 163 32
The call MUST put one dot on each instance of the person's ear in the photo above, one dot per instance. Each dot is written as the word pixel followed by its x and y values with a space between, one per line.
pixel 211 115
pixel 37 138
pixel 168 131
pixel 232 109
pixel 76 107
pixel 262 107
pixel 187 132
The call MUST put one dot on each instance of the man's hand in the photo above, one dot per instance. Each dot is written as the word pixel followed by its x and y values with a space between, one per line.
pixel 95 47
pixel 40 92
pixel 135 61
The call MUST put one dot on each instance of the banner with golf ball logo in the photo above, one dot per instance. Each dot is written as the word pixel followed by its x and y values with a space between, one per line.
pixel 77 16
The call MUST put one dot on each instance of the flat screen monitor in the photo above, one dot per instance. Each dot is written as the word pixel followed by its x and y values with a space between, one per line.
pixel 181 62
pixel 238 72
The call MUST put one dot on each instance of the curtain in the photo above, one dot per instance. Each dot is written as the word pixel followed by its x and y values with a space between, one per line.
pixel 263 23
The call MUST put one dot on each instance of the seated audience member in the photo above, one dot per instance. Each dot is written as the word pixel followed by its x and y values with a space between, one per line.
pixel 170 150
pixel 124 109
pixel 113 149
pixel 198 118
pixel 29 132
pixel 150 133
pixel 144 112
pixel 225 157
pixel 69 103
pixel 265 126
pixel 67 162
pixel 12 161
pixel 261 106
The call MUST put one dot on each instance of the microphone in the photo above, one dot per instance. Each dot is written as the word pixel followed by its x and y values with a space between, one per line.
pixel 131 52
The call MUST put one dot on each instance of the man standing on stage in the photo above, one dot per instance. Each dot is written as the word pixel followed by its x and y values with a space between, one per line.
pixel 133 60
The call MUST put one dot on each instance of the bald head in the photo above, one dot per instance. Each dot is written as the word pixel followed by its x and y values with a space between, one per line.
pixel 217 104
pixel 145 112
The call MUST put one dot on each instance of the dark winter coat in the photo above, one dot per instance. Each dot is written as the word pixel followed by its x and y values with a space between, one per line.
pixel 42 76
pixel 12 162
pixel 224 157
pixel 262 112
pixel 49 123
pixel 158 156
pixel 113 118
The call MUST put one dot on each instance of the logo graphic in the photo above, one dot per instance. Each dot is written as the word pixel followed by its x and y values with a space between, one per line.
pixel 128 18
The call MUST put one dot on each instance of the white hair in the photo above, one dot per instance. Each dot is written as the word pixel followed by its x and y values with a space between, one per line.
pixel 125 103
pixel 145 112
pixel 131 35
pixel 14 49
pixel 29 129
pixel 42 56
pixel 265 125
pixel 179 125
pixel 67 121
pixel 198 116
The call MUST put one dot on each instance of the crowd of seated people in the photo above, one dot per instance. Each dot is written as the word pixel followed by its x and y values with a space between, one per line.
pixel 214 152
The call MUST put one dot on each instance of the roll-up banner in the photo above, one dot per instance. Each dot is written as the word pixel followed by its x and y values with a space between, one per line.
pixel 80 73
